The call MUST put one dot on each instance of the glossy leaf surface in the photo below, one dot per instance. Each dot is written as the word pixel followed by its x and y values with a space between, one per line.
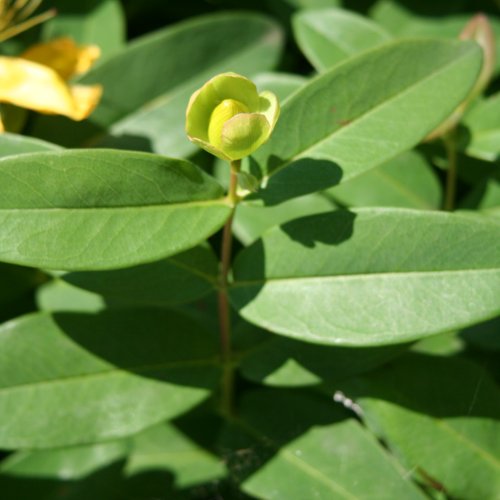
pixel 373 276
pixel 97 377
pixel 64 463
pixel 164 447
pixel 328 36
pixel 483 123
pixel 181 278
pixel 337 126
pixel 57 296
pixel 406 181
pixel 13 144
pixel 253 219
pixel 281 84
pixel 281 362
pixel 440 416
pixel 103 209
pixel 434 20
pixel 314 452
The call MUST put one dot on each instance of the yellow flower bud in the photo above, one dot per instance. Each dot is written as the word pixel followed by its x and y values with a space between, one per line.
pixel 229 118
pixel 220 115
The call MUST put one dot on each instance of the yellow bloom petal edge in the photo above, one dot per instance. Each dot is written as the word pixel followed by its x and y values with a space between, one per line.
pixel 35 86
pixel 63 56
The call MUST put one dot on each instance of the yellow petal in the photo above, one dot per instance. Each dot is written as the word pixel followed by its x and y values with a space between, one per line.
pixel 85 99
pixel 63 56
pixel 220 115
pixel 37 87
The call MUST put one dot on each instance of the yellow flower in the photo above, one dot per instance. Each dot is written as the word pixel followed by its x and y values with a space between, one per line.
pixel 37 79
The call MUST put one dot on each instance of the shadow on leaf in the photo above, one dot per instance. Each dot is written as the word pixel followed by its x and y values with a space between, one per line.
pixel 152 343
pixel 304 176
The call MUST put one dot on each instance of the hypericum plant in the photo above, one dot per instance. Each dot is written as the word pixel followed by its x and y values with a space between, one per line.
pixel 230 119
pixel 298 317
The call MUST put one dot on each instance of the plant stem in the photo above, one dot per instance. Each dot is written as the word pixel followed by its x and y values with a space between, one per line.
pixel 451 175
pixel 224 311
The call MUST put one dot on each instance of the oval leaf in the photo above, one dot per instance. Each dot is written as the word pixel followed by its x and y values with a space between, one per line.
pixel 97 377
pixel 184 277
pixel 441 416
pixel 328 36
pixel 483 123
pixel 71 463
pixel 373 276
pixel 166 448
pixel 13 144
pixel 57 296
pixel 342 126
pixel 253 219
pixel 280 84
pixel 277 361
pixel 84 210
pixel 407 181
pixel 313 451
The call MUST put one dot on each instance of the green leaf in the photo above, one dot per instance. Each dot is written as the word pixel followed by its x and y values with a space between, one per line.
pixel 182 278
pixel 148 112
pixel 443 344
pixel 280 362
pixel 253 219
pixel 402 21
pixel 484 336
pixel 57 295
pixel 89 22
pixel 485 195
pixel 442 417
pixel 71 463
pixel 444 22
pixel 98 209
pixel 13 144
pixel 102 483
pixel 483 123
pixel 185 277
pixel 280 84
pixel 283 9
pixel 372 276
pixel 407 181
pixel 15 280
pixel 164 447
pixel 328 36
pixel 313 452
pixel 340 121
pixel 98 377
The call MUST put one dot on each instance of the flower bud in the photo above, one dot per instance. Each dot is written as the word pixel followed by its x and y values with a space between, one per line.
pixel 229 118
